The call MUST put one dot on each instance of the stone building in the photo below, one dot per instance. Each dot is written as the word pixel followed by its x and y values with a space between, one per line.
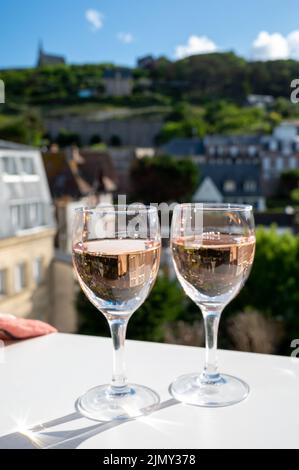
pixel 44 59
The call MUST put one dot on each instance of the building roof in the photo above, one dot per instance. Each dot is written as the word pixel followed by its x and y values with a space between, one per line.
pixel 208 192
pixel 77 173
pixel 244 139
pixel 181 147
pixel 119 72
pixel 6 145
pixel 238 172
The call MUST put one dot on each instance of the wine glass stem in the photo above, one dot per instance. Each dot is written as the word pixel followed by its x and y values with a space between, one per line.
pixel 118 328
pixel 211 321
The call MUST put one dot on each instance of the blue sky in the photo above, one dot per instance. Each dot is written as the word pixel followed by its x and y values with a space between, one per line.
pixel 121 30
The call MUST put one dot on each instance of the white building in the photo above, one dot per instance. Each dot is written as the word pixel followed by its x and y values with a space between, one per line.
pixel 280 153
pixel 26 233
pixel 25 202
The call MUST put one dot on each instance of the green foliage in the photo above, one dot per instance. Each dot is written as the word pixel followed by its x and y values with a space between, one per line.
pixel 165 304
pixel 60 83
pixel 285 108
pixel 295 195
pixel 217 118
pixel 212 77
pixel 115 141
pixel 163 179
pixel 202 78
pixel 95 139
pixel 186 127
pixel 26 128
pixel 228 118
pixel 66 138
pixel 289 180
pixel 272 287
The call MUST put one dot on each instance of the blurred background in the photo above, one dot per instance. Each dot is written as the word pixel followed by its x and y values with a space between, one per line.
pixel 159 101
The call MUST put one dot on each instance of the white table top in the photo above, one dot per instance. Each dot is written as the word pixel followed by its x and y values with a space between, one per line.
pixel 42 378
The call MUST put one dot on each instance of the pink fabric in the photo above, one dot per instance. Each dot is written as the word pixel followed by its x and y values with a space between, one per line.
pixel 12 328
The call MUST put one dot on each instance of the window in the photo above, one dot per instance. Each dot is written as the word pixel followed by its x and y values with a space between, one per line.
pixel 292 163
pixel 273 145
pixel 20 277
pixel 251 150
pixel 234 151
pixel 279 164
pixel 27 165
pixel 16 217
pixel 2 282
pixel 286 148
pixel 250 186
pixel 38 270
pixel 266 163
pixel 9 165
pixel 35 214
pixel 229 186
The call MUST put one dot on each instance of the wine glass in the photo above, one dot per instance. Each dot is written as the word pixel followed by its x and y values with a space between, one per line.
pixel 116 255
pixel 213 247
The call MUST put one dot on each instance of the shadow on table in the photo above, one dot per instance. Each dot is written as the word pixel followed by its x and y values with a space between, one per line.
pixel 41 437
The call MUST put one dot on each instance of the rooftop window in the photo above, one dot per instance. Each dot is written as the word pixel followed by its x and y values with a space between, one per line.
pixel 9 165
pixel 250 186
pixel 27 165
pixel 229 186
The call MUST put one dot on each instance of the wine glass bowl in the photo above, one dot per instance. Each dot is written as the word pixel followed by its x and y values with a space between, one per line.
pixel 116 256
pixel 213 247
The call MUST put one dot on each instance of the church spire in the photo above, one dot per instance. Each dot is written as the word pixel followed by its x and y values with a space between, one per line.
pixel 40 47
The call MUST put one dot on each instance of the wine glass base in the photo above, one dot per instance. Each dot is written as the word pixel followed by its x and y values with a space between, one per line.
pixel 191 389
pixel 101 404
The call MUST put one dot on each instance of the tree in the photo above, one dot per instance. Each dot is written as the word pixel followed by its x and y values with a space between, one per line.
pixel 66 138
pixel 115 141
pixel 295 195
pixel 165 304
pixel 289 181
pixel 95 139
pixel 272 287
pixel 228 118
pixel 26 128
pixel 163 179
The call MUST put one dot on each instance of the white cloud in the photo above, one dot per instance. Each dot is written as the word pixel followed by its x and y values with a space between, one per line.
pixel 195 45
pixel 275 46
pixel 293 42
pixel 95 18
pixel 125 38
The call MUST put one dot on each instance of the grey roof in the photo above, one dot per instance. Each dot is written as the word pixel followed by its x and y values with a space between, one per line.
pixel 6 145
pixel 232 139
pixel 119 71
pixel 238 172
pixel 183 147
